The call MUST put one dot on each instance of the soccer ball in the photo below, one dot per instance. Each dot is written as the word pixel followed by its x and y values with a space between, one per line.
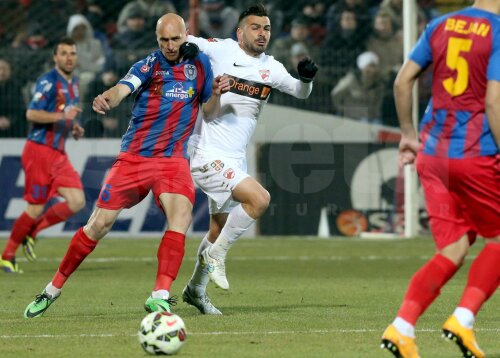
pixel 162 333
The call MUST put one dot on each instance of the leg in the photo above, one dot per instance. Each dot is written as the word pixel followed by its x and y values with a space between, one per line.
pixel 83 243
pixel 178 210
pixel 254 201
pixel 195 291
pixel 74 202
pixel 20 230
pixel 482 282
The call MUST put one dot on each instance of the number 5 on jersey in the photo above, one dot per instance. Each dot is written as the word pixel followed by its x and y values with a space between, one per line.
pixel 455 61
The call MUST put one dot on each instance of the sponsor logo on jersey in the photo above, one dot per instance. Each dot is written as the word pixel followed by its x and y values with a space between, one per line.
pixel 264 74
pixel 249 88
pixel 229 173
pixel 190 71
pixel 178 92
pixel 144 68
pixel 217 165
pixel 37 96
pixel 162 73
pixel 212 40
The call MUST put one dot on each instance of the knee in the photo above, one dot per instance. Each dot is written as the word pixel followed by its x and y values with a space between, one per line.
pixel 261 201
pixel 76 203
pixel 97 229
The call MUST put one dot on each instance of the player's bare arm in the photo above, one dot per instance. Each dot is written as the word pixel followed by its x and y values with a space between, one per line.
pixel 403 90
pixel 40 116
pixel 110 99
pixel 211 108
pixel 493 108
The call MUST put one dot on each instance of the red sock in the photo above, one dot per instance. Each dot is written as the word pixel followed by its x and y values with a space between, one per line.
pixel 20 229
pixel 425 286
pixel 79 248
pixel 484 278
pixel 55 214
pixel 170 255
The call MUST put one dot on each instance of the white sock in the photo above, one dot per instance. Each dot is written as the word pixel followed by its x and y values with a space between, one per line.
pixel 404 327
pixel 163 294
pixel 199 279
pixel 465 317
pixel 52 290
pixel 237 223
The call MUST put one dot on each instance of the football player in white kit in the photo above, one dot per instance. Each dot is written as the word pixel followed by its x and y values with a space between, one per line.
pixel 218 146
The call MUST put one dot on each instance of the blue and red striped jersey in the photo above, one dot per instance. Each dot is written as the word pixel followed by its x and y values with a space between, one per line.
pixel 53 94
pixel 166 104
pixel 464 48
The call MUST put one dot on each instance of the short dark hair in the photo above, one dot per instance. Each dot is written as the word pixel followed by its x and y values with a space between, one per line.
pixel 64 41
pixel 256 10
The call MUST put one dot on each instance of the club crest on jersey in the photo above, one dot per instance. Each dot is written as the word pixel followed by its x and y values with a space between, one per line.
pixel 264 74
pixel 190 71
pixel 144 68
pixel 229 174
pixel 217 165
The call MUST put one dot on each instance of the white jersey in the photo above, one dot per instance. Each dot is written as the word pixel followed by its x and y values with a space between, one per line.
pixel 251 81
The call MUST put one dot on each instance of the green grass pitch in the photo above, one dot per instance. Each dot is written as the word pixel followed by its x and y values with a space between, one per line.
pixel 289 297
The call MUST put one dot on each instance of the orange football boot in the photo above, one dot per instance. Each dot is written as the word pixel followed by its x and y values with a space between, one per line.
pixel 399 345
pixel 463 337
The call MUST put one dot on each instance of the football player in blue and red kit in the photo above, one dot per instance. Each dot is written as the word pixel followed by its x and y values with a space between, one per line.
pixel 48 171
pixel 171 85
pixel 458 163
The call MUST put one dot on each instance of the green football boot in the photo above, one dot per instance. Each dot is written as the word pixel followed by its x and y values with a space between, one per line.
pixel 159 304
pixel 38 307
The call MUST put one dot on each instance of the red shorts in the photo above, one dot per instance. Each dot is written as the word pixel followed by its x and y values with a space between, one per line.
pixel 132 177
pixel 46 170
pixel 462 196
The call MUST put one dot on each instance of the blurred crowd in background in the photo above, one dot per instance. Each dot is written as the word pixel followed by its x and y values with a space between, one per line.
pixel 358 45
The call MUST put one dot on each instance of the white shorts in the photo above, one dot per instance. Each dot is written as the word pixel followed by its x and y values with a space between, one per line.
pixel 217 176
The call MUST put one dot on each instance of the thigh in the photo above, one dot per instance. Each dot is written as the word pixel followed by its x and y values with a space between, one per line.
pixel 64 175
pixel 477 185
pixel 178 209
pixel 172 176
pixel 127 183
pixel 446 218
pixel 36 161
pixel 218 177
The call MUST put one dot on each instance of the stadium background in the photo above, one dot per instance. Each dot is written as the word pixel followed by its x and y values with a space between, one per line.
pixel 307 174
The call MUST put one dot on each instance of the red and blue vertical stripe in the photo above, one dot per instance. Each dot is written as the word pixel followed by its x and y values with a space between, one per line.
pixel 53 94
pixel 166 105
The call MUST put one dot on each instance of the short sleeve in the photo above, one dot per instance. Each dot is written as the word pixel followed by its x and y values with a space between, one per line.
pixel 493 72
pixel 422 53
pixel 44 94
pixel 139 73
pixel 209 78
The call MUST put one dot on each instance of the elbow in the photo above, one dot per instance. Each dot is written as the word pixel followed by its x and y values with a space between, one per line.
pixel 30 115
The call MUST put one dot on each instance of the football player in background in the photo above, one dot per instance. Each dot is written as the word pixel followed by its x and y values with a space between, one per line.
pixel 458 163
pixel 170 85
pixel 48 172
pixel 218 159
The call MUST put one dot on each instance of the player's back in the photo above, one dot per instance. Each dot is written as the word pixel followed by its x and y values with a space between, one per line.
pixel 460 47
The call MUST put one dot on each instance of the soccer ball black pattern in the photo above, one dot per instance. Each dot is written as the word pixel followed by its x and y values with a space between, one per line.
pixel 162 333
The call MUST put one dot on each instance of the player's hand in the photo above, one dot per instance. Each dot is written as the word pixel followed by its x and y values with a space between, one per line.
pixel 188 51
pixel 221 85
pixel 77 131
pixel 408 149
pixel 101 104
pixel 70 112
pixel 307 69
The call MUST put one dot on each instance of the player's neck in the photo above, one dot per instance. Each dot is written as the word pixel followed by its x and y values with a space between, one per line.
pixel 488 5
pixel 66 76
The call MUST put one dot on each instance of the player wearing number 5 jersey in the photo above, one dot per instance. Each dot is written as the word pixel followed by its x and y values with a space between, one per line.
pixel 218 161
pixel 458 164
